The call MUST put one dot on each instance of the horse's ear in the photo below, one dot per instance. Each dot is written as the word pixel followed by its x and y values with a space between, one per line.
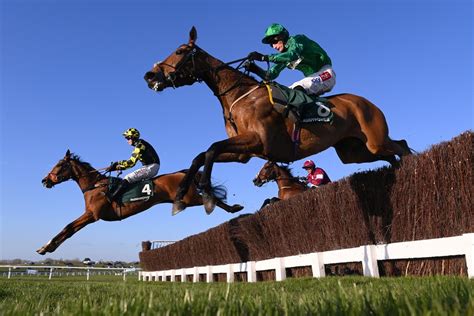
pixel 192 36
pixel 68 154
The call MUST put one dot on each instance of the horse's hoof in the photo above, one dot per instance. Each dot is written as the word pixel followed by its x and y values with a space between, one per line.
pixel 236 208
pixel 209 202
pixel 178 206
pixel 41 251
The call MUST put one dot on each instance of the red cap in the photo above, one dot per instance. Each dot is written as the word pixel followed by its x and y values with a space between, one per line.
pixel 308 164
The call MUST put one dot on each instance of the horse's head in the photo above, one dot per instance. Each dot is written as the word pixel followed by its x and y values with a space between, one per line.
pixel 178 69
pixel 61 172
pixel 266 174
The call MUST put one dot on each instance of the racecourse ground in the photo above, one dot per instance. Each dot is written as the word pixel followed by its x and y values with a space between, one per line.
pixel 109 295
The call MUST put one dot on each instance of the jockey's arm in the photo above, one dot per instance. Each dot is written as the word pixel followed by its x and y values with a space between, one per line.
pixel 132 161
pixel 269 75
pixel 292 53
pixel 274 71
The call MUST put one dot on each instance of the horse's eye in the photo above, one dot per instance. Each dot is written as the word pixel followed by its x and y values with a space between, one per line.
pixel 179 52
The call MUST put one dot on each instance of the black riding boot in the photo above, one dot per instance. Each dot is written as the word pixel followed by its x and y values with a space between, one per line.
pixel 120 189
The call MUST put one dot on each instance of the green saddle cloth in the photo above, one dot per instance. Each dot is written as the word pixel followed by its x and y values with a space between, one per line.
pixel 310 108
pixel 138 191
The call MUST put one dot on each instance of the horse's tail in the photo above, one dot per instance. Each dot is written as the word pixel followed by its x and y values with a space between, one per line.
pixel 219 191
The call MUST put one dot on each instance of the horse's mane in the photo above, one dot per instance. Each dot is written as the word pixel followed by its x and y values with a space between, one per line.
pixel 225 66
pixel 286 168
pixel 77 158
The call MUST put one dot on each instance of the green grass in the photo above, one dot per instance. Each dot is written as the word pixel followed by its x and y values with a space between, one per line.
pixel 326 296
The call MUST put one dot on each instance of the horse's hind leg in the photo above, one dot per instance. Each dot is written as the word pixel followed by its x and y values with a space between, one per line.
pixel 228 208
pixel 374 131
pixel 354 150
pixel 67 232
pixel 403 146
pixel 178 203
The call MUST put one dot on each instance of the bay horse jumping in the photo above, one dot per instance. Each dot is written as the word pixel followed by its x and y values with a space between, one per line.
pixel 93 185
pixel 288 185
pixel 359 131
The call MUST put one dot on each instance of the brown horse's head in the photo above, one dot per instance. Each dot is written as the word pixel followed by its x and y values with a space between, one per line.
pixel 269 172
pixel 178 69
pixel 61 172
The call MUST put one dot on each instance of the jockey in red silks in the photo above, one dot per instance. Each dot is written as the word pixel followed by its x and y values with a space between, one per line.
pixel 316 176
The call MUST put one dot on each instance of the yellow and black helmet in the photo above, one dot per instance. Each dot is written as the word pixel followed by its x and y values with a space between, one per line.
pixel 132 133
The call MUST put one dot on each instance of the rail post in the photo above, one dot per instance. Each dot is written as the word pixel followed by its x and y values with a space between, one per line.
pixel 251 272
pixel 469 242
pixel 317 265
pixel 230 273
pixel 280 270
pixel 209 274
pixel 369 261
pixel 51 273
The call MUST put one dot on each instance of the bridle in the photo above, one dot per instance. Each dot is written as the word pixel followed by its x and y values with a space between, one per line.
pixel 176 74
pixel 181 73
pixel 276 178
pixel 60 178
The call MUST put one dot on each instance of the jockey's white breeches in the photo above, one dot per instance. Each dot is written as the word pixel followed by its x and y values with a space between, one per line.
pixel 319 82
pixel 145 172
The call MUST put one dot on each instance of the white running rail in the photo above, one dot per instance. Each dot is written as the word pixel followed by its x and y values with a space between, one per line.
pixel 369 255
pixel 54 270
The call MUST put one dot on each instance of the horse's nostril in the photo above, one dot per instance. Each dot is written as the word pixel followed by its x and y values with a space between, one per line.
pixel 149 75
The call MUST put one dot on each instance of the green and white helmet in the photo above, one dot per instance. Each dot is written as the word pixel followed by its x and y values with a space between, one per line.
pixel 275 31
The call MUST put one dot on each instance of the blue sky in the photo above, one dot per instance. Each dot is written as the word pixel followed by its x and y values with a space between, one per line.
pixel 72 78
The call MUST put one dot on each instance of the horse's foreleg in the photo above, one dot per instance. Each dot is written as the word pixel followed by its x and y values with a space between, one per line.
pixel 179 204
pixel 67 232
pixel 236 149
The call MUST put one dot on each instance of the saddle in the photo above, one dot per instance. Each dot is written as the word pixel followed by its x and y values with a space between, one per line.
pixel 138 191
pixel 299 106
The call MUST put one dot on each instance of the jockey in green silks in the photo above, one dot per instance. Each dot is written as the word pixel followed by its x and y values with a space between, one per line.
pixel 295 52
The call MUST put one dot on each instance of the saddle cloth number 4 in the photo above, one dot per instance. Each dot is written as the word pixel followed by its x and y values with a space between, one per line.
pixel 146 189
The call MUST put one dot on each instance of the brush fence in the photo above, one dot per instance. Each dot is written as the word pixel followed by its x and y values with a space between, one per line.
pixel 369 255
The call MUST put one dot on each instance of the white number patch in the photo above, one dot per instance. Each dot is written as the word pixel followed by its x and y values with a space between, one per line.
pixel 146 189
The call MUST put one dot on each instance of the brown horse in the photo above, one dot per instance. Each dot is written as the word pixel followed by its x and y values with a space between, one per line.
pixel 93 184
pixel 359 132
pixel 288 185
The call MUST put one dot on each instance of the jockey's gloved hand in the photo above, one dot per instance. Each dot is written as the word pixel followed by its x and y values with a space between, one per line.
pixel 112 167
pixel 257 56
pixel 250 66
pixel 303 179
